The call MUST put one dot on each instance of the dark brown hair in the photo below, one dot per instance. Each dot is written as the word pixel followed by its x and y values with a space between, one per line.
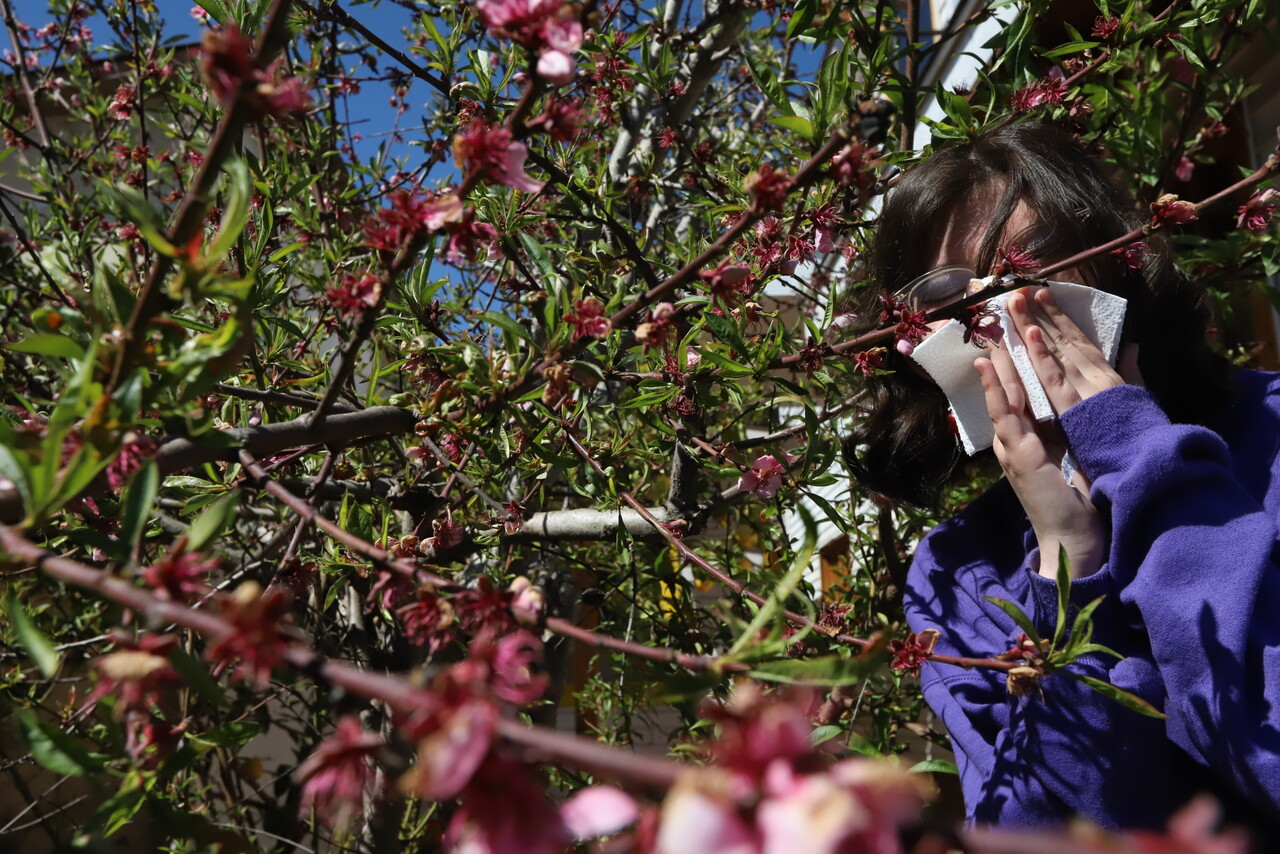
pixel 901 449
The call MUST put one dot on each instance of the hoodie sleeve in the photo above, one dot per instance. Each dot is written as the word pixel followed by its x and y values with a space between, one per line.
pixel 1193 555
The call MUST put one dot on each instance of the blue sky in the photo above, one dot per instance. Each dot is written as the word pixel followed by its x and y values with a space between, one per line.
pixel 369 110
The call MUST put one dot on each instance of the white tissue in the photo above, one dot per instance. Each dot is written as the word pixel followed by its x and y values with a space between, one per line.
pixel 948 359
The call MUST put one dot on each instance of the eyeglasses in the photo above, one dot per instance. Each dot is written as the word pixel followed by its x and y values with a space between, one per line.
pixel 940 287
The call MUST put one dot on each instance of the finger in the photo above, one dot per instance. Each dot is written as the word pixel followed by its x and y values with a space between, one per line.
pixel 1084 364
pixel 1009 426
pixel 1065 334
pixel 1007 373
pixel 1058 385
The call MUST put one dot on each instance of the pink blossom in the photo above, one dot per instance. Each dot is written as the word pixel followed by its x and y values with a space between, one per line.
pixel 121 106
pixel 598 811
pixel 228 67
pixel 134 452
pixel 514 660
pixel 1133 256
pixel 811 357
pixel 764 478
pixel 768 188
pixel 870 362
pixel 909 653
pixel 352 295
pixel 137 675
pixel 1186 166
pixel 180 575
pixel 981 325
pixel 1104 27
pixel 656 329
pixel 254 640
pixel 1193 830
pixel 453 728
pixel 1014 260
pixel 484 606
pixel 559 119
pixel 701 813
pixel 467 237
pixel 1170 210
pixel 338 777
pixel 492 154
pixel 505 811
pixel 1048 91
pixel 852 166
pixel 666 137
pixel 445 533
pixel 588 319
pixel 428 620
pixel 556 67
pixel 1256 213
pixel 391 589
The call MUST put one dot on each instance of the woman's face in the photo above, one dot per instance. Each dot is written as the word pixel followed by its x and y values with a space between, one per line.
pixel 966 226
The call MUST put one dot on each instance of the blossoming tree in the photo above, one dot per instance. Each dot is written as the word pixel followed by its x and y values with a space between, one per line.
pixel 455 466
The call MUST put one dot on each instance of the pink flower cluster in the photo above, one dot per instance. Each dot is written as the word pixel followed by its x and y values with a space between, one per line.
pixel 1170 210
pixel 771 791
pixel 491 153
pixel 414 214
pixel 768 188
pixel 765 477
pixel 180 575
pixel 228 66
pixel 909 653
pixel 1256 213
pixel 340 774
pixel 548 28
pixel 352 295
pixel 1045 92
pixel 588 319
pixel 255 642
pixel 139 676
pixel 910 327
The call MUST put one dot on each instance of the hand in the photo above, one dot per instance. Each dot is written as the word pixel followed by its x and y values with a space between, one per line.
pixel 1030 454
pixel 1070 367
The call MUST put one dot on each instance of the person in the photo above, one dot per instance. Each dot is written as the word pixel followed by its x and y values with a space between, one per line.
pixel 1172 516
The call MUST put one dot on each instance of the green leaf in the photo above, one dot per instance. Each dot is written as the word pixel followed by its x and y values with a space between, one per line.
pixel 1121 696
pixel 34 640
pixel 800 17
pixel 770 83
pixel 1082 629
pixel 508 325
pixel 1064 595
pixel 232 735
pixel 195 673
pixel 1088 648
pixel 785 587
pixel 726 331
pixel 17 470
pixel 136 508
pixel 211 522
pixel 1023 621
pixel 217 10
pixel 829 670
pixel 934 766
pixel 53 748
pixel 48 344
pixel 796 124
pixel 235 216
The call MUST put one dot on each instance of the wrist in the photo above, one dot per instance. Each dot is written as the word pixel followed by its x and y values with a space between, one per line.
pixel 1085 553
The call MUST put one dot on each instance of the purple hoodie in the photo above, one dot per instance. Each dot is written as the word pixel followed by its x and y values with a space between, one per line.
pixel 1192 585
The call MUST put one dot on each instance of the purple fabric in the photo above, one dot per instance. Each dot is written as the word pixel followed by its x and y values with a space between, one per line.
pixel 1192 585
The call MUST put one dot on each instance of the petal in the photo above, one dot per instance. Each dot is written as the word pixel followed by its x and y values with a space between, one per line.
pixel 556 67
pixel 598 811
